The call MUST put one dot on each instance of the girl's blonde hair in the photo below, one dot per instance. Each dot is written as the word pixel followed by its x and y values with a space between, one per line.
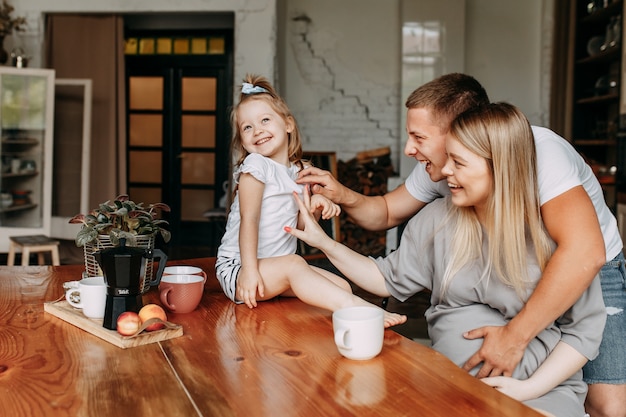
pixel 501 134
pixel 267 93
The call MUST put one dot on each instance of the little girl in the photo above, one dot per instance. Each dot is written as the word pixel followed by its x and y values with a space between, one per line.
pixel 256 259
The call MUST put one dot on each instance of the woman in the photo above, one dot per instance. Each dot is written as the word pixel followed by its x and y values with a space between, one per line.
pixel 481 252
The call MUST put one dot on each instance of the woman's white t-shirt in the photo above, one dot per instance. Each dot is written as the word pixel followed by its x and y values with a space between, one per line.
pixel 559 169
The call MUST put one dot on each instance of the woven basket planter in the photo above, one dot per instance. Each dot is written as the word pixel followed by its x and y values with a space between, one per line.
pixel 92 268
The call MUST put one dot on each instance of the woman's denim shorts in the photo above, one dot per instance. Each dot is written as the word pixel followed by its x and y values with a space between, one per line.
pixel 610 365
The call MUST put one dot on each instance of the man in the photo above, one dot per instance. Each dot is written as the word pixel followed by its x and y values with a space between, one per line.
pixel 573 211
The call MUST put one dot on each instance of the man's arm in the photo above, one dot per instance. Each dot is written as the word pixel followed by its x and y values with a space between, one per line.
pixel 571 221
pixel 369 212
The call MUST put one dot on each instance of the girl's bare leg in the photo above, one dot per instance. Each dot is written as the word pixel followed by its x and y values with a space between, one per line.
pixel 291 274
pixel 336 279
pixel 391 319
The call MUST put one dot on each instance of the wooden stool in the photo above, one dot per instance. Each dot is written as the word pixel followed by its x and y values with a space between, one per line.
pixel 33 244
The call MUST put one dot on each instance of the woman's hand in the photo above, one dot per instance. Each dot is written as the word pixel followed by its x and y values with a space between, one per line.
pixel 311 233
pixel 328 209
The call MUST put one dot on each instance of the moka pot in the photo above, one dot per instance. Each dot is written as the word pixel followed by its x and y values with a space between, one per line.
pixel 123 268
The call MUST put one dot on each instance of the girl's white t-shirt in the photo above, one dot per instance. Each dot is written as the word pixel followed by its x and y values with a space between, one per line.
pixel 559 169
pixel 278 209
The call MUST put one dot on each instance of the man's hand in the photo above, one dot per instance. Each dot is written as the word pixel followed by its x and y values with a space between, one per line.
pixel 500 353
pixel 322 182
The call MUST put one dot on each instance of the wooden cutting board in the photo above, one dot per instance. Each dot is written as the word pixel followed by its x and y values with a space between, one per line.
pixel 66 312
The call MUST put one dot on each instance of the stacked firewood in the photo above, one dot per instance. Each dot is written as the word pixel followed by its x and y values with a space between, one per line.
pixel 367 174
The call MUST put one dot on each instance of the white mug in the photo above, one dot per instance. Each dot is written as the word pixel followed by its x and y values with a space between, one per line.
pixel 359 332
pixel 184 270
pixel 16 165
pixel 90 296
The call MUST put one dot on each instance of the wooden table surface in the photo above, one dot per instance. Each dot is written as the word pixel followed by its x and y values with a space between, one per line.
pixel 276 360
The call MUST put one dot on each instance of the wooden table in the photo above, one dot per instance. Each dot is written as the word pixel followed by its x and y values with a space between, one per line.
pixel 276 360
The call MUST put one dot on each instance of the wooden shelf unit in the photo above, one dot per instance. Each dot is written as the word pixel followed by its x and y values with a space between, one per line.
pixel 596 88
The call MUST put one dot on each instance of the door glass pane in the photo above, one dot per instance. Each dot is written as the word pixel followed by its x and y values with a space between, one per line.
pixel 199 93
pixel 164 46
pixel 198 45
pixel 146 46
pixel 145 166
pixel 131 46
pixel 145 130
pixel 23 102
pixel 146 196
pixel 146 93
pixel 198 168
pixel 216 46
pixel 181 46
pixel 194 203
pixel 198 131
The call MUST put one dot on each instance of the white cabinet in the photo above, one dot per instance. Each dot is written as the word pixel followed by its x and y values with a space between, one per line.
pixel 26 123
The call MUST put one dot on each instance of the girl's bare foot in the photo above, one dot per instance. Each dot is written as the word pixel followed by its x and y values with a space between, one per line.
pixel 393 319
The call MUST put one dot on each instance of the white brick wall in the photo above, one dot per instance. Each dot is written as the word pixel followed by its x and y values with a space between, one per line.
pixel 341 71
pixel 348 126
pixel 345 96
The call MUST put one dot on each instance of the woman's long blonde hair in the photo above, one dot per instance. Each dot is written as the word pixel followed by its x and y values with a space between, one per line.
pixel 500 133
pixel 278 104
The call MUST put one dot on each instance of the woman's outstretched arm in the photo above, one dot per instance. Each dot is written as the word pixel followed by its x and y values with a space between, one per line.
pixel 357 268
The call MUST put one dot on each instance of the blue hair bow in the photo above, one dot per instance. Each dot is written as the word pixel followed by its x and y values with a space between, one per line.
pixel 247 88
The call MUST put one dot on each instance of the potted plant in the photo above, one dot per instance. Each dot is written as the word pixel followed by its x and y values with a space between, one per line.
pixel 122 218
pixel 8 24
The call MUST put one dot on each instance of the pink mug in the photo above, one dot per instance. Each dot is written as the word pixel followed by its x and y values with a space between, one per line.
pixel 181 293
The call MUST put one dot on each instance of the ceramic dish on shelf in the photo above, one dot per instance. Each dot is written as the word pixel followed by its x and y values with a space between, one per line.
pixel 6 200
pixel 21 197
pixel 594 44
pixel 601 87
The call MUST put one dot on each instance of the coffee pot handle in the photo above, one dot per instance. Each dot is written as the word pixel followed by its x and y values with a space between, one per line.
pixel 162 257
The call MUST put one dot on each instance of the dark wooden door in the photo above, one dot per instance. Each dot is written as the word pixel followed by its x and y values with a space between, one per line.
pixel 179 134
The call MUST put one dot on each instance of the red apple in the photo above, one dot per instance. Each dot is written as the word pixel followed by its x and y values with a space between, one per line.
pixel 151 311
pixel 128 323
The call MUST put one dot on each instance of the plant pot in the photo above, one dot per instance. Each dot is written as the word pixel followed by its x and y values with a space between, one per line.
pixel 92 268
